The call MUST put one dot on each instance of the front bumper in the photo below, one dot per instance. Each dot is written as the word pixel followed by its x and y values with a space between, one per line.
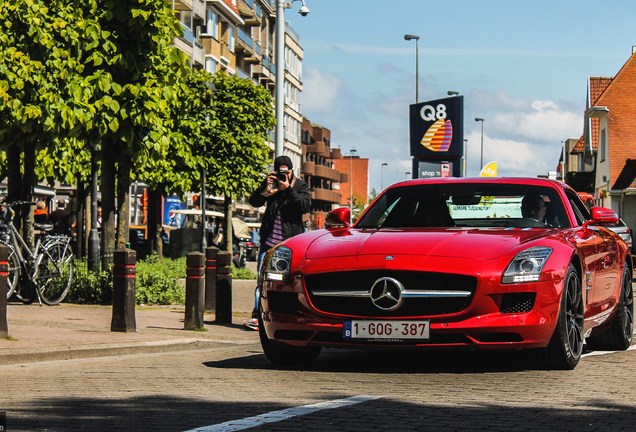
pixel 291 316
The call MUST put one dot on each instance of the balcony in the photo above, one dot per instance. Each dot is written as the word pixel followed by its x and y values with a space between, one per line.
pixel 198 54
pixel 325 195
pixel 308 168
pixel 320 148
pixel 246 44
pixel 242 74
pixel 250 12
pixel 196 6
pixel 327 173
pixel 230 10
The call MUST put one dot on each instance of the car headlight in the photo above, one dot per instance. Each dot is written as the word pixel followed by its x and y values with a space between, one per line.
pixel 279 264
pixel 527 265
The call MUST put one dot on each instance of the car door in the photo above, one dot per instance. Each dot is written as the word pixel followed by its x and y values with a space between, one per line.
pixel 598 255
pixel 609 270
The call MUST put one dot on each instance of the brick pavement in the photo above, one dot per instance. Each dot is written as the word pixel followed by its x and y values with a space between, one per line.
pixel 39 333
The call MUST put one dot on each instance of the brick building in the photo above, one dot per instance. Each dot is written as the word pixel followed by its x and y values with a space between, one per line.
pixel 357 168
pixel 318 171
pixel 608 144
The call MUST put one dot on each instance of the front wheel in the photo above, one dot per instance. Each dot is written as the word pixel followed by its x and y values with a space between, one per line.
pixel 54 272
pixel 565 347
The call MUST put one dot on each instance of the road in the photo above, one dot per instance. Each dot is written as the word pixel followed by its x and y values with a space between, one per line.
pixel 396 391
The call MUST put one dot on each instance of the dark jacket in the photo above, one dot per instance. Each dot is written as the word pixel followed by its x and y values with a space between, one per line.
pixel 61 220
pixel 292 204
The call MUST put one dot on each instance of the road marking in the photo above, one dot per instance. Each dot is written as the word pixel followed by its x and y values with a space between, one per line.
pixel 276 416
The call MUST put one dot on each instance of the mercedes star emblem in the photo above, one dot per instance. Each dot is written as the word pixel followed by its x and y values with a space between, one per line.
pixel 386 293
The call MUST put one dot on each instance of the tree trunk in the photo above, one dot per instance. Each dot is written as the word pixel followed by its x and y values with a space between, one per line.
pixel 14 175
pixel 228 230
pixel 155 222
pixel 28 181
pixel 123 199
pixel 82 216
pixel 108 203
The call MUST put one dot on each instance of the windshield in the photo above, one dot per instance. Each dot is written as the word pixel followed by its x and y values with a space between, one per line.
pixel 466 205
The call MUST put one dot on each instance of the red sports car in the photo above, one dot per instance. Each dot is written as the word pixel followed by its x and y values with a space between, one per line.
pixel 487 263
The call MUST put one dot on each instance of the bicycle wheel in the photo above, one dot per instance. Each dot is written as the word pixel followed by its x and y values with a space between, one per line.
pixel 54 272
pixel 13 276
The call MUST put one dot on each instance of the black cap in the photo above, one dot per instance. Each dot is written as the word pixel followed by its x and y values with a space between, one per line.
pixel 282 160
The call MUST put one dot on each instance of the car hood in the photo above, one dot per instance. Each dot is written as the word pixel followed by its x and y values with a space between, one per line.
pixel 484 243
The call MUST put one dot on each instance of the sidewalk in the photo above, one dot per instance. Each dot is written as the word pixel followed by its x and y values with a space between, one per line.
pixel 42 333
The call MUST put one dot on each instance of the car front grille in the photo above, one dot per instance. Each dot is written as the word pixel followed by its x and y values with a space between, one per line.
pixel 425 293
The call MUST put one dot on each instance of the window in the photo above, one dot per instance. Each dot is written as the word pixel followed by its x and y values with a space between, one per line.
pixel 230 37
pixel 210 64
pixel 186 18
pixel 603 145
pixel 212 24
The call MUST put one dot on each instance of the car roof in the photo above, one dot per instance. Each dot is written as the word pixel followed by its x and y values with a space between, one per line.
pixel 530 181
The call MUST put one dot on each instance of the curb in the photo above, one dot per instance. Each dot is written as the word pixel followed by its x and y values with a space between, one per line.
pixel 148 347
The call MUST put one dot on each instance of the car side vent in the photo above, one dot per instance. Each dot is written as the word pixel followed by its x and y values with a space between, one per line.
pixel 517 302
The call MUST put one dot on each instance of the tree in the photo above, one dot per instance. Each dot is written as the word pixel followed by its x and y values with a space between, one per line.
pixel 237 145
pixel 73 69
pixel 177 167
pixel 36 61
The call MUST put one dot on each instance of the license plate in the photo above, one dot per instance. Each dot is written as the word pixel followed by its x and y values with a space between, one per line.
pixel 383 329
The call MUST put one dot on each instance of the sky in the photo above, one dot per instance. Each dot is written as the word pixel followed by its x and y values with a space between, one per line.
pixel 521 65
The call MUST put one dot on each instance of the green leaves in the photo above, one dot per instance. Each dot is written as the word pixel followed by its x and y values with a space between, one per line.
pixel 237 142
pixel 71 74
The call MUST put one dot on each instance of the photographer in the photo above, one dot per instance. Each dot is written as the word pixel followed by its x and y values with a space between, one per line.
pixel 287 198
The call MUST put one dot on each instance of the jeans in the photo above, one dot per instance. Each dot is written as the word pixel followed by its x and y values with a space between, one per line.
pixel 257 291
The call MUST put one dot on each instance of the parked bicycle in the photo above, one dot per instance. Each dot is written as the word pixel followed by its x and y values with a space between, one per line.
pixel 44 272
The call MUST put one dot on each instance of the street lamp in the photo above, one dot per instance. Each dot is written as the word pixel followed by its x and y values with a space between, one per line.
pixel 382 176
pixel 563 160
pixel 452 93
pixel 407 174
pixel 280 69
pixel 481 160
pixel 465 156
pixel 409 37
pixel 351 154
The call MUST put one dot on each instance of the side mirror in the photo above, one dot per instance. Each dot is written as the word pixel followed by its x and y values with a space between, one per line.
pixel 338 218
pixel 602 215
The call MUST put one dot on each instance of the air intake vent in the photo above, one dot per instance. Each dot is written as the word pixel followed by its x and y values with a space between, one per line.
pixel 517 302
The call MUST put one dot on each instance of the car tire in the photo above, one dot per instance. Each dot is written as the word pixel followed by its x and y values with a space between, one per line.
pixel 619 336
pixel 566 345
pixel 285 355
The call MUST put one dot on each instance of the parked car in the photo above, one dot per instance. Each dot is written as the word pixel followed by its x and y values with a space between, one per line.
pixel 452 263
pixel 624 231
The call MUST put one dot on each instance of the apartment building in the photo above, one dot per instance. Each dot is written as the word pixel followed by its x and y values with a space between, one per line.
pixel 319 172
pixel 191 14
pixel 238 36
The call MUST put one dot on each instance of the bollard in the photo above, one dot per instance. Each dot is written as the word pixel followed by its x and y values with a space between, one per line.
pixel 195 292
pixel 4 288
pixel 124 273
pixel 224 288
pixel 210 278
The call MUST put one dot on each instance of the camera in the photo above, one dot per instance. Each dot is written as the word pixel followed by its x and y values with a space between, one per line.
pixel 282 175
pixel 304 10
